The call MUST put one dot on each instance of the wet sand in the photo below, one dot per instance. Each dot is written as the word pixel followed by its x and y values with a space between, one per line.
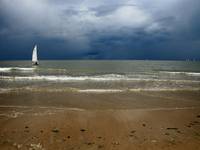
pixel 122 121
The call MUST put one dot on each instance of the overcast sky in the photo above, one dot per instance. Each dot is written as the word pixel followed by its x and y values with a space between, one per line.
pixel 100 29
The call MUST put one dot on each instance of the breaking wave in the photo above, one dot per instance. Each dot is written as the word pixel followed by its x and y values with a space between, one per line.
pixel 9 69
pixel 184 73
pixel 24 89
pixel 67 78
pixel 64 78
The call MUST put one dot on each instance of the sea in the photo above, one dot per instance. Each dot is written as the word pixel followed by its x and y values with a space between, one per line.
pixel 99 75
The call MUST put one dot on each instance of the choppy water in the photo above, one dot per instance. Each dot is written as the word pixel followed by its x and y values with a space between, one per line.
pixel 100 76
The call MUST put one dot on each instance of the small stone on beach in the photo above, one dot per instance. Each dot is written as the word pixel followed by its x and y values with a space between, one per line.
pixel 56 130
pixel 172 128
pixel 115 143
pixel 133 131
pixel 144 125
pixel 36 147
pixel 196 122
pixel 19 146
pixel 178 131
pixel 26 130
pixel 100 146
pixel 153 141
pixel 166 133
pixel 82 130
pixel 131 135
pixel 191 123
pixel 90 143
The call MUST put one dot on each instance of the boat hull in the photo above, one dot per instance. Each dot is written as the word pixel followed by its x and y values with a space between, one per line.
pixel 35 63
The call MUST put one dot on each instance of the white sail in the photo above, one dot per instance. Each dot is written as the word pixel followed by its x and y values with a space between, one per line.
pixel 34 55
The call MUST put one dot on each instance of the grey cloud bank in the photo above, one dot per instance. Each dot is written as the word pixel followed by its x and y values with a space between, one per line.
pixel 120 29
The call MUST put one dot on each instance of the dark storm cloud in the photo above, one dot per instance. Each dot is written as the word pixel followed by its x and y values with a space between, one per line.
pixel 116 29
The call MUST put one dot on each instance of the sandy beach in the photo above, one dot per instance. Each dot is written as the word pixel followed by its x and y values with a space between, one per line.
pixel 123 121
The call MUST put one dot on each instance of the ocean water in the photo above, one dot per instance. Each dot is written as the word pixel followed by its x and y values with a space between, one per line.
pixel 99 76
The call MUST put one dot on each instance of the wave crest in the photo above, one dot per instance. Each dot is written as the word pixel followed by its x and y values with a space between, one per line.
pixel 9 69
pixel 185 73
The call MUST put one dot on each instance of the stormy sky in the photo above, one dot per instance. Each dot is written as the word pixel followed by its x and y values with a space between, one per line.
pixel 100 29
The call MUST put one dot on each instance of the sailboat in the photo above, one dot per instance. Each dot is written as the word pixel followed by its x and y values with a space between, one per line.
pixel 34 56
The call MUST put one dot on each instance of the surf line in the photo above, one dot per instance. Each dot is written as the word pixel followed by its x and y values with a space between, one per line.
pixel 166 109
pixel 80 109
pixel 41 107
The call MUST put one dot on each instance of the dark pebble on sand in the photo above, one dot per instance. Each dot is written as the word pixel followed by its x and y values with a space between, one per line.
pixel 198 116
pixel 144 125
pixel 189 126
pixel 166 133
pixel 68 137
pixel 100 146
pixel 172 128
pixel 90 143
pixel 131 135
pixel 41 131
pixel 178 131
pixel 34 137
pixel 26 130
pixel 99 137
pixel 26 127
pixel 82 130
pixel 133 131
pixel 55 130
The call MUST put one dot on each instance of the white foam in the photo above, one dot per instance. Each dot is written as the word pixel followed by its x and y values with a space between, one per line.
pixel 105 78
pixel 163 89
pixel 5 69
pixel 186 73
pixel 8 69
pixel 25 69
pixel 194 74
pixel 35 89
pixel 66 78
pixel 100 91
